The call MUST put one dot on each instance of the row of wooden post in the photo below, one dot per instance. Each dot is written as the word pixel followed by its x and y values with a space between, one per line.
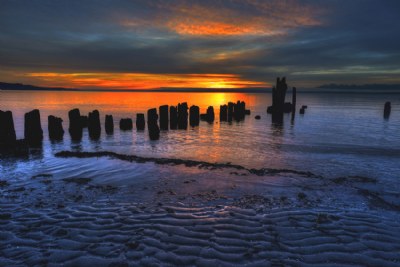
pixel 169 117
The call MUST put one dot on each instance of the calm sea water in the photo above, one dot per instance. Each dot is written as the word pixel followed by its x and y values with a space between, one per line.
pixel 340 134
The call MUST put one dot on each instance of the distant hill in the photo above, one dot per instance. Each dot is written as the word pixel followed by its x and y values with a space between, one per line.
pixel 20 86
pixel 361 87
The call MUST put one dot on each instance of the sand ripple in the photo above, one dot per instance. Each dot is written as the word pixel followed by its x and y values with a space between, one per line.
pixel 120 234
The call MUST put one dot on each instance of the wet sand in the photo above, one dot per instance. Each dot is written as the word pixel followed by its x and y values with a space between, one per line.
pixel 214 216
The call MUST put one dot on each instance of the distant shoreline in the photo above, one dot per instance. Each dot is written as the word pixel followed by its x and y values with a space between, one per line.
pixel 331 88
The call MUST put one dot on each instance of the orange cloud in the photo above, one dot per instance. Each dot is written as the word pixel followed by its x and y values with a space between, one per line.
pixel 251 17
pixel 142 80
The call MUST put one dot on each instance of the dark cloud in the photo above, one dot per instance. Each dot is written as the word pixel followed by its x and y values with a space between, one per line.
pixel 311 41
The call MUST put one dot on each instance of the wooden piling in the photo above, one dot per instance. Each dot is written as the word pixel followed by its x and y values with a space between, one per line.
pixel 94 125
pixel 387 109
pixel 75 124
pixel 194 117
pixel 55 128
pixel 173 117
pixel 164 117
pixel 7 130
pixel 182 116
pixel 33 129
pixel 152 125
pixel 109 124
pixel 210 114
pixel 126 124
pixel 223 113
pixel 140 122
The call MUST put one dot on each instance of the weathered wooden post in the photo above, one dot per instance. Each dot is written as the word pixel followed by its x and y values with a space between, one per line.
pixel 239 110
pixel 7 130
pixel 194 118
pixel 164 117
pixel 230 111
pixel 278 100
pixel 387 110
pixel 109 124
pixel 140 122
pixel 75 124
pixel 182 116
pixel 94 125
pixel 56 131
pixel 173 117
pixel 294 102
pixel 210 114
pixel 84 121
pixel 33 128
pixel 223 113
pixel 126 124
pixel 152 125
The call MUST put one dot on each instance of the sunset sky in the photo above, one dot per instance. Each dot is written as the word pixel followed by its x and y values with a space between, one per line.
pixel 198 44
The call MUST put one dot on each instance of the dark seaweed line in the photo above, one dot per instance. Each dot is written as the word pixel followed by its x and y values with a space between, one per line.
pixel 172 161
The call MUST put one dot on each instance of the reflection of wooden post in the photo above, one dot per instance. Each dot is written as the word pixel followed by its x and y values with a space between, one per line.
pixel 194 117
pixel 56 131
pixel 164 117
pixel 75 125
pixel 152 125
pixel 94 126
pixel 33 127
pixel 7 130
pixel 387 110
pixel 173 117
pixel 293 102
pixel 109 124
pixel 140 122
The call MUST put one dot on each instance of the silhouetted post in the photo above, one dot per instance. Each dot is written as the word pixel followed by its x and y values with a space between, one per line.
pixel 239 110
pixel 94 125
pixel 7 130
pixel 173 117
pixel 126 124
pixel 230 111
pixel 33 128
pixel 302 110
pixel 164 117
pixel 293 102
pixel 154 130
pixel 84 121
pixel 109 124
pixel 75 124
pixel 278 100
pixel 194 118
pixel 223 113
pixel 210 114
pixel 140 122
pixel 56 131
pixel 387 110
pixel 182 115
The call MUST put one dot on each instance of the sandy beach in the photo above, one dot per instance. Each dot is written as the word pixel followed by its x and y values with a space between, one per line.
pixel 210 215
